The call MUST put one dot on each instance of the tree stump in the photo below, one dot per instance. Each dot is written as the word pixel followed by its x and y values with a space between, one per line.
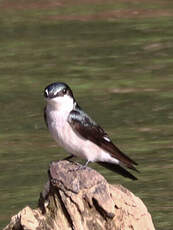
pixel 82 200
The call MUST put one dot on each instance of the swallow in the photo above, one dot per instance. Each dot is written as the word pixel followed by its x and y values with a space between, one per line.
pixel 79 134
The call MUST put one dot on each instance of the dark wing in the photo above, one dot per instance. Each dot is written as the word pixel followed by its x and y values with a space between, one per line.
pixel 87 128
pixel 118 169
pixel 45 116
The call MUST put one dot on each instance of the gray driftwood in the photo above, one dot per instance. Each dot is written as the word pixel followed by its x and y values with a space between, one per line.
pixel 82 200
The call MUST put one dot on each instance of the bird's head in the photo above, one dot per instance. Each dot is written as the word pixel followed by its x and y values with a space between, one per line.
pixel 59 95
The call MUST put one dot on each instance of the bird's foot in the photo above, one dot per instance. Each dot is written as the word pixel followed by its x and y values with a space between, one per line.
pixel 80 167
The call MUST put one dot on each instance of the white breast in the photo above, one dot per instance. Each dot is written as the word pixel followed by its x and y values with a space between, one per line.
pixel 62 132
pixel 64 135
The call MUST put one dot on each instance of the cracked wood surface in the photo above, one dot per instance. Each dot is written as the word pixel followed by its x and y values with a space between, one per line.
pixel 81 200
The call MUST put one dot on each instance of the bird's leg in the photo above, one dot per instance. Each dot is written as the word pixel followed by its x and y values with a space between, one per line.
pixel 81 167
pixel 85 165
pixel 68 158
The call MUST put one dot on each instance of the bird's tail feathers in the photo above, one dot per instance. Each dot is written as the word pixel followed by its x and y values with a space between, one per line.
pixel 130 166
pixel 118 169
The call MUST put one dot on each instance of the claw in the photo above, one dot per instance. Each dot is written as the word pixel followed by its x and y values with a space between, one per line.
pixel 80 167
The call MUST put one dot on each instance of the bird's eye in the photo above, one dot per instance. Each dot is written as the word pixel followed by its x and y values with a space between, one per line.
pixel 64 91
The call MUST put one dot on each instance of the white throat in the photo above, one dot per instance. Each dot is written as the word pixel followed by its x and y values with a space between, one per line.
pixel 61 104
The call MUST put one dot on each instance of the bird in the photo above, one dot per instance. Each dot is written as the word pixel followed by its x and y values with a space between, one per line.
pixel 75 131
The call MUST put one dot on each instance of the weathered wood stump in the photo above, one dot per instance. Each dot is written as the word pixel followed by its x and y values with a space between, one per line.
pixel 81 200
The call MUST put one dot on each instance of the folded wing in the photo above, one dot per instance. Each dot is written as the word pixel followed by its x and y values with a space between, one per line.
pixel 88 129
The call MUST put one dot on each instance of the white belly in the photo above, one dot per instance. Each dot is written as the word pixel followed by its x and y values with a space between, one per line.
pixel 64 135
